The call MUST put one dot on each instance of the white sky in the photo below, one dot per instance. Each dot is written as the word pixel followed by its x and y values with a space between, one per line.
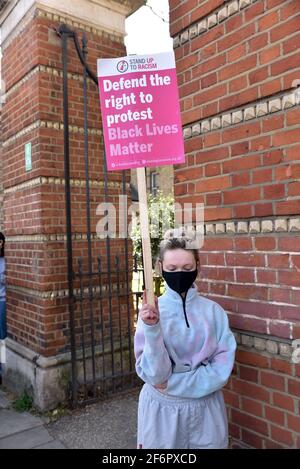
pixel 146 32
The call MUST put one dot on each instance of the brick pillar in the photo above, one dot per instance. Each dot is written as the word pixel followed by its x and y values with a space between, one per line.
pixel 1 181
pixel 38 346
pixel 2 92
pixel 238 65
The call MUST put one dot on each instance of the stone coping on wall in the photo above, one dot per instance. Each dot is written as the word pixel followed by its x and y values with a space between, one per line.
pixel 45 180
pixel 213 19
pixel 42 13
pixel 262 343
pixel 82 26
pixel 43 69
pixel 49 125
pixel 243 114
pixel 60 359
pixel 260 226
pixel 270 346
pixel 46 238
pixel 119 288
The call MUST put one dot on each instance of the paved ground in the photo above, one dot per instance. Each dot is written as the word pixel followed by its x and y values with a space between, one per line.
pixel 23 430
pixel 109 424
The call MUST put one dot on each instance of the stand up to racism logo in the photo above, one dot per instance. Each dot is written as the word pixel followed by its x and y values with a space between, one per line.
pixel 122 66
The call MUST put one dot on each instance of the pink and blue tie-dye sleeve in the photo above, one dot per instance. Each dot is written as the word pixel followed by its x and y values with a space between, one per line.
pixel 153 364
pixel 204 380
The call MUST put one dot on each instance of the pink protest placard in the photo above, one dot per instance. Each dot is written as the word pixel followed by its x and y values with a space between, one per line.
pixel 140 111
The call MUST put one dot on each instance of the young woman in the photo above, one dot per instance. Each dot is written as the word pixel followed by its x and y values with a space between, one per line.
pixel 185 354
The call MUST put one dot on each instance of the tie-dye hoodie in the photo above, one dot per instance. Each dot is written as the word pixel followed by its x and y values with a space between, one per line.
pixel 195 355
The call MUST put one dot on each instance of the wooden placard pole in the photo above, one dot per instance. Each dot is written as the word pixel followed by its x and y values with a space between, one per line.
pixel 145 235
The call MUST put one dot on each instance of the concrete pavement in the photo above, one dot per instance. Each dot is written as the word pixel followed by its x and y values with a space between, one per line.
pixel 108 424
pixel 23 430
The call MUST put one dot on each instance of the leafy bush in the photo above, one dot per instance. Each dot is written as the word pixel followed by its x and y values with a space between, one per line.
pixel 161 218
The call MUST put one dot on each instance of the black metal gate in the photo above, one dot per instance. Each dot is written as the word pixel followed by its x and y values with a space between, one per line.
pixel 101 299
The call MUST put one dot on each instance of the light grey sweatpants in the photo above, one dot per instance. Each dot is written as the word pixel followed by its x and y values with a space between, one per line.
pixel 167 422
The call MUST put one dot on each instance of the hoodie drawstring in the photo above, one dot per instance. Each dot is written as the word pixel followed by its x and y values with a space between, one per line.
pixel 185 316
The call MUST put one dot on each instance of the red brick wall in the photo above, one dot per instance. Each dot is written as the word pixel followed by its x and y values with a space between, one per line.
pixel 246 172
pixel 35 200
pixel 263 401
pixel 1 180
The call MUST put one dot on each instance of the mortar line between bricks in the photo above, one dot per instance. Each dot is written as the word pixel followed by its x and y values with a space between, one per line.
pixel 259 335
pixel 232 251
pixel 232 158
pixel 261 200
pixel 221 282
pixel 252 302
pixel 216 147
pixel 251 284
pixel 230 266
pixel 198 151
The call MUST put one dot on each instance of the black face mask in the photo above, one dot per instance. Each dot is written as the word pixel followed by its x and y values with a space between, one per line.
pixel 180 281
